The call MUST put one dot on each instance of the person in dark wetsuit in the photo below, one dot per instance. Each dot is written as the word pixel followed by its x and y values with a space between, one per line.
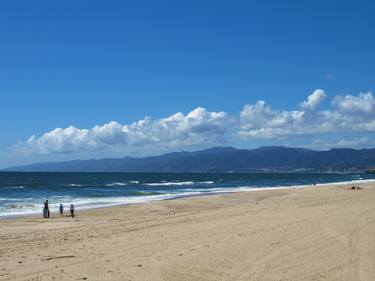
pixel 72 210
pixel 61 208
pixel 46 209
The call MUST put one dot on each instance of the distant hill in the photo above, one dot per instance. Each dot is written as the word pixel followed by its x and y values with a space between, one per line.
pixel 228 159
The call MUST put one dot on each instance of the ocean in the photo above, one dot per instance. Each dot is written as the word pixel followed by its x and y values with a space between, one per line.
pixel 24 193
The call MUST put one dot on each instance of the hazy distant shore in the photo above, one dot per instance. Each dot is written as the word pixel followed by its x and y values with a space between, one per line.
pixel 263 159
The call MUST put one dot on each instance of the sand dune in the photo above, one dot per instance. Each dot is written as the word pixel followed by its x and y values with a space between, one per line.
pixel 323 233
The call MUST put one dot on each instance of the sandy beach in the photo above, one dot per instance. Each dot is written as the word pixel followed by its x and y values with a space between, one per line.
pixel 322 233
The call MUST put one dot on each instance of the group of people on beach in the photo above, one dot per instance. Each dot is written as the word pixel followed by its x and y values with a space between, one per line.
pixel 46 212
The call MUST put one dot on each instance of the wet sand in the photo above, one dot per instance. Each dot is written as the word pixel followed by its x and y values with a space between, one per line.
pixel 322 233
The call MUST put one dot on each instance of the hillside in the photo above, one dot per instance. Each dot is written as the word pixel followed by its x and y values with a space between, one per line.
pixel 277 159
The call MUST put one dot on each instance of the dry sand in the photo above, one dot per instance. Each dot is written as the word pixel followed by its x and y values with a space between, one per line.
pixel 323 233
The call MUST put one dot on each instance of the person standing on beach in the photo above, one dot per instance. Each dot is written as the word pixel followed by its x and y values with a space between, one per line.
pixel 72 210
pixel 46 209
pixel 61 208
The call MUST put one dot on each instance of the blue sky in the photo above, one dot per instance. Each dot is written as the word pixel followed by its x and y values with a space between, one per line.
pixel 87 63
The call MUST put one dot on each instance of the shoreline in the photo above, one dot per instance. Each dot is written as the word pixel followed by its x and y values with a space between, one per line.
pixel 198 194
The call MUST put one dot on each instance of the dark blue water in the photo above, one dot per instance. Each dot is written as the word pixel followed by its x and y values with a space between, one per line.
pixel 24 193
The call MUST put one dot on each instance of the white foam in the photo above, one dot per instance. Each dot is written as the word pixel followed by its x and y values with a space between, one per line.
pixel 116 184
pixel 348 182
pixel 178 183
pixel 170 183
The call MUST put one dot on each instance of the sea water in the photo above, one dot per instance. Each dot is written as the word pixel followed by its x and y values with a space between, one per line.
pixel 24 193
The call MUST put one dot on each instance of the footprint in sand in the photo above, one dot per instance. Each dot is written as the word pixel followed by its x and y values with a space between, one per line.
pixel 36 278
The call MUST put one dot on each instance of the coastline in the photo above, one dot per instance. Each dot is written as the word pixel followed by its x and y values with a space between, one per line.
pixel 229 190
pixel 321 233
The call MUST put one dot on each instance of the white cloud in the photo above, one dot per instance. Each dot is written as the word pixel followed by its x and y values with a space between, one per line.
pixel 314 99
pixel 261 121
pixel 202 128
pixel 364 103
pixel 178 130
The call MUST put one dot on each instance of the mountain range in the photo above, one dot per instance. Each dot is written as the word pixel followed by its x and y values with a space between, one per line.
pixel 223 159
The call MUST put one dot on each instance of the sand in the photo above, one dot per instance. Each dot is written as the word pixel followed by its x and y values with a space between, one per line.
pixel 322 233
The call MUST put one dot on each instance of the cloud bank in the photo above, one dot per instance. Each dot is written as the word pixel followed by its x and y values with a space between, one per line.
pixel 201 127
pixel 175 131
